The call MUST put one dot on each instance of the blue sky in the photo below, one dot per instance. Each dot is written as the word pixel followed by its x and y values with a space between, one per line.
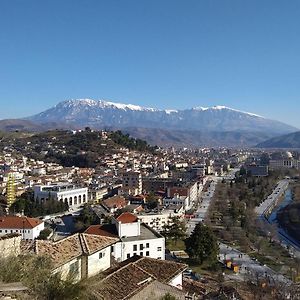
pixel 243 54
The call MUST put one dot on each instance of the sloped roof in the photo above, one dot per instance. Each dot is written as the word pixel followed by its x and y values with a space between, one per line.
pixel 116 201
pixel 67 249
pixel 109 230
pixel 162 270
pixel 127 217
pixel 134 274
pixel 15 222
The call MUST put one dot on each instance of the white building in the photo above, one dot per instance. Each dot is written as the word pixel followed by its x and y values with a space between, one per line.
pixel 28 228
pixel 82 255
pixel 68 193
pixel 178 200
pixel 158 220
pixel 287 163
pixel 134 238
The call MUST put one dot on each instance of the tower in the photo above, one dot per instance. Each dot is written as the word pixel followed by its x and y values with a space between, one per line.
pixel 10 190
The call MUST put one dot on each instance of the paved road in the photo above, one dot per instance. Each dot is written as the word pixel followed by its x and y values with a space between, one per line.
pixel 206 198
pixel 203 206
pixel 268 204
pixel 249 268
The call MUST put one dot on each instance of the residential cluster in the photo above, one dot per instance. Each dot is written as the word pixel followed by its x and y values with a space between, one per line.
pixel 133 195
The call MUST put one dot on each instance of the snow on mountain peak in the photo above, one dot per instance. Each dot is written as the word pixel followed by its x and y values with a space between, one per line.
pixel 132 107
pixel 222 107
pixel 104 104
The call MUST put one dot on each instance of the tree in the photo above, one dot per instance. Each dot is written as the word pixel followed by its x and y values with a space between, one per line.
pixel 202 245
pixel 175 230
pixel 44 234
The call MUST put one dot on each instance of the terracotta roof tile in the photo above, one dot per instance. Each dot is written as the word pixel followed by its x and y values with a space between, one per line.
pixel 127 217
pixel 115 202
pixel 65 250
pixel 162 270
pixel 15 222
pixel 109 230
pixel 134 274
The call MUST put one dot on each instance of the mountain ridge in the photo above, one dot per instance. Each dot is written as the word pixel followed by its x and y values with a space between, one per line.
pixel 288 141
pixel 99 114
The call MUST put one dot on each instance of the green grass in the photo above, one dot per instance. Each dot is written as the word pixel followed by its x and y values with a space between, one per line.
pixel 175 246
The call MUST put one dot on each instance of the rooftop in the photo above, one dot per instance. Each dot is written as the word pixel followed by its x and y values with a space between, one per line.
pixel 146 233
pixel 71 247
pixel 132 275
pixel 15 222
pixel 127 217
pixel 109 230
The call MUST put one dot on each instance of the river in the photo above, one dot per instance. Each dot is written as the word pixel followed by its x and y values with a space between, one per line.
pixel 272 219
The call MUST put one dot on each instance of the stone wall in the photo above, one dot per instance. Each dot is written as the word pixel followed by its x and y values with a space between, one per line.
pixel 10 245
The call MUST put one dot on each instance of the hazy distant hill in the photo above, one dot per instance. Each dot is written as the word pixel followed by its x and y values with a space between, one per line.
pixel 19 125
pixel 100 114
pixel 9 125
pixel 291 140
pixel 162 137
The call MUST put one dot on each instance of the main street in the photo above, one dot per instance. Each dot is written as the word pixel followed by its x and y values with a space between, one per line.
pixel 205 199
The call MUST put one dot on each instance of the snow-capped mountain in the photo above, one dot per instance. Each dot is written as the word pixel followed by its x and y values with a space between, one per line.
pixel 99 114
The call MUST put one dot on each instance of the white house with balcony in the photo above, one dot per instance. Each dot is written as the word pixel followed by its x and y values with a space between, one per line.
pixel 65 192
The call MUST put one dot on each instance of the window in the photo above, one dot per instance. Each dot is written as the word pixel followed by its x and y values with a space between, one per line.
pixel 141 246
pixel 147 253
pixel 128 255
pixel 158 248
pixel 134 253
pixel 112 248
pixel 74 267
pixel 0 230
pixel 141 253
pixel 147 245
pixel 134 247
pixel 101 255
pixel 159 258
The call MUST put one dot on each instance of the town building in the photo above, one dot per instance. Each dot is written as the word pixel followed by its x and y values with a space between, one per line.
pixel 114 203
pixel 257 170
pixel 28 228
pixel 80 255
pixel 66 192
pixel 178 200
pixel 142 278
pixel 157 220
pixel 134 237
pixel 132 183
pixel 287 163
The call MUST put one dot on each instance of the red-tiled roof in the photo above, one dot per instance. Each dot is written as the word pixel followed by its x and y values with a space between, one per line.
pixel 127 217
pixel 104 230
pixel 115 202
pixel 14 222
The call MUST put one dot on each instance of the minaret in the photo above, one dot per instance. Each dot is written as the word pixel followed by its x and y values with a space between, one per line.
pixel 10 190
